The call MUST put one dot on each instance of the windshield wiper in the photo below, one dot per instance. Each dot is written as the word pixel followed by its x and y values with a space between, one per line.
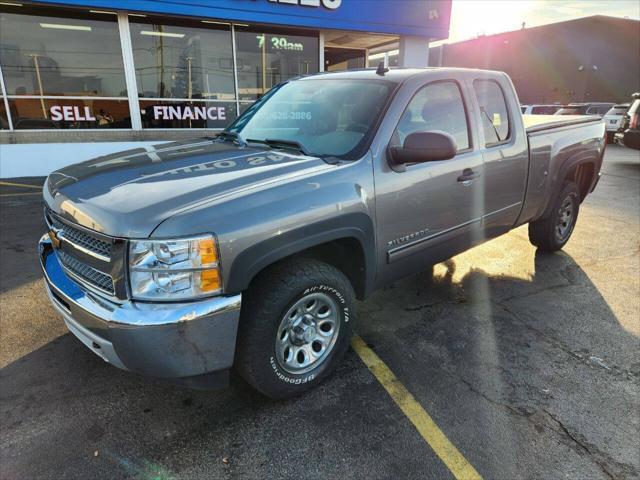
pixel 281 143
pixel 233 136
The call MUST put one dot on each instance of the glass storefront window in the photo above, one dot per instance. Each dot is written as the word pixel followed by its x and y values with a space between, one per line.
pixel 48 113
pixel 266 58
pixel 77 55
pixel 62 69
pixel 182 61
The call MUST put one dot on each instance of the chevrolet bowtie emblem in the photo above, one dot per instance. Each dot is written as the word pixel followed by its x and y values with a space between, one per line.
pixel 53 235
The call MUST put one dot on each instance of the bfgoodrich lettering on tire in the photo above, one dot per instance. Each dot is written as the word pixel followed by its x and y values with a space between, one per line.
pixel 295 326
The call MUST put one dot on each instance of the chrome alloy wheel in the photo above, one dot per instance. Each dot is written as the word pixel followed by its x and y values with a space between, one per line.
pixel 307 333
pixel 564 224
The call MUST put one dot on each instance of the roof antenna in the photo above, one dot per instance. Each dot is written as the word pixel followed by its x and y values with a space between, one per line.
pixel 381 70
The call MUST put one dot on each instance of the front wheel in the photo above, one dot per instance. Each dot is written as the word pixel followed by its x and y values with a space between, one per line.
pixel 296 324
pixel 552 232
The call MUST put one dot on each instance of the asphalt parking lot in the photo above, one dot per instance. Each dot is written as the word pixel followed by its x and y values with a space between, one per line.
pixel 528 363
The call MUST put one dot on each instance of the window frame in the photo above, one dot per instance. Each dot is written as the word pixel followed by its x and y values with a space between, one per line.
pixel 464 108
pixel 506 104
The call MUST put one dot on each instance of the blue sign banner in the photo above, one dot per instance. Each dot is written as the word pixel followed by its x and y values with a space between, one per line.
pixel 427 18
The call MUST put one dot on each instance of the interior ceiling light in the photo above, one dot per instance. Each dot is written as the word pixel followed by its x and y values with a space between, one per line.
pixel 162 34
pixel 60 26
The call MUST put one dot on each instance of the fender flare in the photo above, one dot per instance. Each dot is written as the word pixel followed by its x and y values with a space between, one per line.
pixel 568 165
pixel 254 259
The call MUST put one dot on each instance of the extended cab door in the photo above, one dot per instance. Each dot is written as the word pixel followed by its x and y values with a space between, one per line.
pixel 505 152
pixel 426 212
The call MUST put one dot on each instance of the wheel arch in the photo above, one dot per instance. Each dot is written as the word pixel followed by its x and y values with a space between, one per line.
pixel 346 242
pixel 577 169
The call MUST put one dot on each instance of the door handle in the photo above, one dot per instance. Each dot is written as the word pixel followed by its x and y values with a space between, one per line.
pixel 467 176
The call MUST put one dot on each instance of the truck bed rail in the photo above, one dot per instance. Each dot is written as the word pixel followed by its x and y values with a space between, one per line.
pixel 541 123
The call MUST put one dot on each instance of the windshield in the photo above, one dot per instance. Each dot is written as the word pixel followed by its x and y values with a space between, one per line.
pixel 324 117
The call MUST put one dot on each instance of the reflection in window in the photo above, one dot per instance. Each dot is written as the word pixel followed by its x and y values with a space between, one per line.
pixel 437 106
pixel 180 61
pixel 46 113
pixel 167 114
pixel 493 109
pixel 51 55
pixel 328 117
pixel 266 59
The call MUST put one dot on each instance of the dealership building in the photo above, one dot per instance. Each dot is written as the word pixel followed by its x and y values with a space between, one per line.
pixel 82 78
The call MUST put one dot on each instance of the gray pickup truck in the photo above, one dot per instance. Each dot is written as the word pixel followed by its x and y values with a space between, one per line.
pixel 249 249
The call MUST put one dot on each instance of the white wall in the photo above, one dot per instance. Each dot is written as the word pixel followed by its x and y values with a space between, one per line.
pixel 40 159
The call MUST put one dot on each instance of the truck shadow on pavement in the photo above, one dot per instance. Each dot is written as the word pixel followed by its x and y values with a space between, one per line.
pixel 528 377
pixel 521 371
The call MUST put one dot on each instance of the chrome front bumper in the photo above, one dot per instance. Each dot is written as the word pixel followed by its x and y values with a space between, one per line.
pixel 165 340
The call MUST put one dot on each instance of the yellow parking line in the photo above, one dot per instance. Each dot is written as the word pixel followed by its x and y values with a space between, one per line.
pixel 25 185
pixel 19 194
pixel 430 432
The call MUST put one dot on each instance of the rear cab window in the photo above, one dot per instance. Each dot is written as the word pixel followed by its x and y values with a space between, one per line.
pixel 544 110
pixel 598 110
pixel 618 110
pixel 493 112
pixel 569 111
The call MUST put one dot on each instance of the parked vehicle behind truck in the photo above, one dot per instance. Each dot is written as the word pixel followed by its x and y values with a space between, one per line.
pixel 540 109
pixel 249 250
pixel 629 132
pixel 614 118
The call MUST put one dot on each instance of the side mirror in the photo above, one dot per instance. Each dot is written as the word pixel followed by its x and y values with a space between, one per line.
pixel 422 147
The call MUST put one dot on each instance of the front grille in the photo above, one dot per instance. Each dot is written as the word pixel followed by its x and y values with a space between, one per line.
pixel 92 276
pixel 81 238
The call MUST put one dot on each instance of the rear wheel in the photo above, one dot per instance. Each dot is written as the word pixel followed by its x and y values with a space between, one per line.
pixel 295 326
pixel 553 232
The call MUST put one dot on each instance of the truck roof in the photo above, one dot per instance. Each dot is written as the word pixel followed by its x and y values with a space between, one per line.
pixel 398 75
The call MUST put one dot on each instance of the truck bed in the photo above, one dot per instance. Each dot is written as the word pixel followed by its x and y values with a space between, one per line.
pixel 539 123
pixel 553 141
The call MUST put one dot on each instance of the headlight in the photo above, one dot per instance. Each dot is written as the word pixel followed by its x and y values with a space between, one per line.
pixel 177 269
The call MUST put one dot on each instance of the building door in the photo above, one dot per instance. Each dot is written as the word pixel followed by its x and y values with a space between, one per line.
pixel 336 59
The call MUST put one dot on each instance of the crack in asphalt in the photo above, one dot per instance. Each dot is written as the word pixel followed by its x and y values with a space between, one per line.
pixel 592 452
pixel 583 446
pixel 587 360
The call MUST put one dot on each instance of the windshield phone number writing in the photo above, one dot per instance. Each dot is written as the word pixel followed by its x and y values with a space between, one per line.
pixel 284 115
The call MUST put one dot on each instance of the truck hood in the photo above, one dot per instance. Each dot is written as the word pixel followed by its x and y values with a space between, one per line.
pixel 128 194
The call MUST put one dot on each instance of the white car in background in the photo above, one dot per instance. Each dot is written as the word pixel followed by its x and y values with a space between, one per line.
pixel 613 119
pixel 540 109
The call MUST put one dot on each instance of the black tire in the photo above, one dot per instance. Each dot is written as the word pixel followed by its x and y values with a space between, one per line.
pixel 552 232
pixel 610 137
pixel 271 296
